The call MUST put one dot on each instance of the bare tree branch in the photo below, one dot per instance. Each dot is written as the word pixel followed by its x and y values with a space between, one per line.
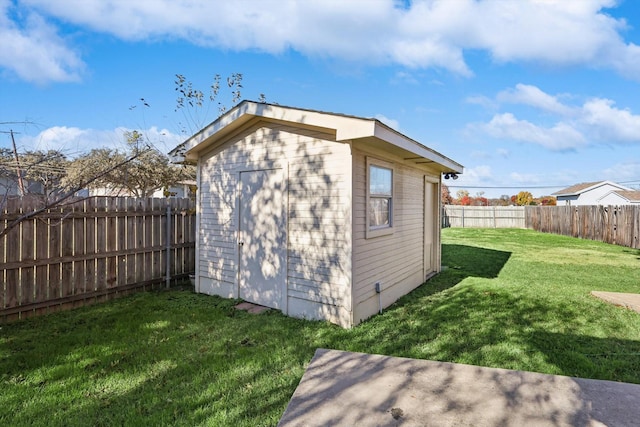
pixel 59 200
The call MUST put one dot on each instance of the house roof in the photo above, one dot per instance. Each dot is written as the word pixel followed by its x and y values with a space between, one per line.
pixel 345 127
pixel 631 196
pixel 577 189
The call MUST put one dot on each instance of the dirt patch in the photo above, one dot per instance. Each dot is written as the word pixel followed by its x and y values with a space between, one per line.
pixel 251 307
pixel 630 301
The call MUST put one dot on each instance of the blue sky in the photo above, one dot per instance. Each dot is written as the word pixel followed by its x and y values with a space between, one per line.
pixel 529 95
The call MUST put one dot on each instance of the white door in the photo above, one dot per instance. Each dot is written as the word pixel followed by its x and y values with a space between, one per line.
pixel 430 222
pixel 261 238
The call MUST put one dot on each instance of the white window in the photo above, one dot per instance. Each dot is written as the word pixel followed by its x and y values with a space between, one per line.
pixel 379 198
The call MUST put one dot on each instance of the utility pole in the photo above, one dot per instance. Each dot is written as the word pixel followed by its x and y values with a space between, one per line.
pixel 18 170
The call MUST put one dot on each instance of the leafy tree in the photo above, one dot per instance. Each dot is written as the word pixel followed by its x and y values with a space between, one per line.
pixel 461 194
pixel 504 200
pixel 45 168
pixel 147 171
pixel 524 198
pixel 465 200
pixel 480 201
pixel 445 195
pixel 547 201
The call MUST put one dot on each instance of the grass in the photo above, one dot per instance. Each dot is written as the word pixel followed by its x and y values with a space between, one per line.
pixel 514 299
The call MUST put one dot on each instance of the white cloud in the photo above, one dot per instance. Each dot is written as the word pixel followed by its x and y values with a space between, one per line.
pixel 622 172
pixel 482 101
pixel 404 77
pixel 74 141
pixel 478 175
pixel 596 121
pixel 524 178
pixel 534 97
pixel 34 51
pixel 479 155
pixel 503 152
pixel 610 123
pixel 427 33
pixel 559 137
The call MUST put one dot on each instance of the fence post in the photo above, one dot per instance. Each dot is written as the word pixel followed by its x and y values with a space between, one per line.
pixel 168 257
pixel 494 217
pixel 462 216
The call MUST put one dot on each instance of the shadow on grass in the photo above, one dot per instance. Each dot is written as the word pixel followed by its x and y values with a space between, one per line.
pixel 635 252
pixel 479 322
pixel 491 323
pixel 170 358
pixel 184 359
pixel 474 261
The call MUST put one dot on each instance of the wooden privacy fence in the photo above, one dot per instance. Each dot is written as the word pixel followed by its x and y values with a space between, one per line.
pixel 618 225
pixel 483 216
pixel 91 250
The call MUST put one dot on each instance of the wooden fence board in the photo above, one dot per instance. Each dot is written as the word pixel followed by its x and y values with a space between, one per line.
pixel 618 225
pixel 90 245
pixel 140 240
pixel 80 282
pixel 154 262
pixel 27 248
pixel 66 240
pixel 147 267
pixel 42 271
pixel 121 245
pixel 131 241
pixel 89 251
pixel 483 216
pixel 111 245
pixel 55 251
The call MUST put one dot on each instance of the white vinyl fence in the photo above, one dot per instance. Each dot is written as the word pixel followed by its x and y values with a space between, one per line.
pixel 483 216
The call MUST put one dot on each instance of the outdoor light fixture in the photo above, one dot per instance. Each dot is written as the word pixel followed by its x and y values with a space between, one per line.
pixel 450 175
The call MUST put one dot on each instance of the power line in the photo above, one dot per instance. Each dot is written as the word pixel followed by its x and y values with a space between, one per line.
pixel 528 186
pixel 507 187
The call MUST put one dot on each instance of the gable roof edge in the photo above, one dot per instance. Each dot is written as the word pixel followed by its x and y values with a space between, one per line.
pixel 345 127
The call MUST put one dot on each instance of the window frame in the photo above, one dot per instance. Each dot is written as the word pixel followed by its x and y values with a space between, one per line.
pixel 380 230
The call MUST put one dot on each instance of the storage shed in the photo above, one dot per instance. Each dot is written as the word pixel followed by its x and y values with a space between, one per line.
pixel 319 215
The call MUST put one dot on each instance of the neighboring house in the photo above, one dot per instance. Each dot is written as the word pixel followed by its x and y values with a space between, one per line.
pixel 9 186
pixel 181 189
pixel 590 193
pixel 319 215
pixel 618 198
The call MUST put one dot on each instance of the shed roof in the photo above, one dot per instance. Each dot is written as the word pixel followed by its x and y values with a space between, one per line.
pixel 344 127
pixel 577 189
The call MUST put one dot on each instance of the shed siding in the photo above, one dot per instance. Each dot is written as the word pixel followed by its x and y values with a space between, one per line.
pixel 395 260
pixel 318 174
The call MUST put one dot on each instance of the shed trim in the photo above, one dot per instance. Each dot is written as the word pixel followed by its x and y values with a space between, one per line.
pixel 343 126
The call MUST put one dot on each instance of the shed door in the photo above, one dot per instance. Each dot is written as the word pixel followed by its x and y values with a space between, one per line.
pixel 261 239
pixel 430 223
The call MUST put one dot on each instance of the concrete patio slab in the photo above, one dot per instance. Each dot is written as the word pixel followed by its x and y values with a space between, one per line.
pixel 630 301
pixel 354 389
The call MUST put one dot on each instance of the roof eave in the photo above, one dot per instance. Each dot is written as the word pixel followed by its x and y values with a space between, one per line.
pixel 394 137
pixel 345 127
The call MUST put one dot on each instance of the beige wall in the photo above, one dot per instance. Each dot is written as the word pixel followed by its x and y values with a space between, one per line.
pixel 332 266
pixel 318 175
pixel 395 260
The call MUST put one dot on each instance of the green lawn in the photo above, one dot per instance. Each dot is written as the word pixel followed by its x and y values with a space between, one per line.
pixel 514 299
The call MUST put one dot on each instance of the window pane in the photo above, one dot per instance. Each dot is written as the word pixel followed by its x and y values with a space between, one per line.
pixel 379 212
pixel 379 180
